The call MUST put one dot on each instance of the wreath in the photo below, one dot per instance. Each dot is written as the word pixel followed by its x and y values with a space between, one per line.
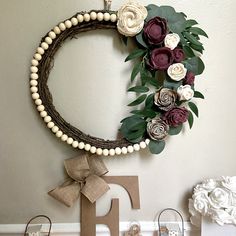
pixel 163 77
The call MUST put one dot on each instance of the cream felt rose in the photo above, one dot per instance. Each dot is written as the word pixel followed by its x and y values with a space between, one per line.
pixel 131 18
pixel 177 71
pixel 185 92
pixel 172 41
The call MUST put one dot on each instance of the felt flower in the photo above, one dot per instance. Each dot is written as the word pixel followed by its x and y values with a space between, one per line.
pixel 179 55
pixel 185 92
pixel 172 40
pixel 189 78
pixel 177 71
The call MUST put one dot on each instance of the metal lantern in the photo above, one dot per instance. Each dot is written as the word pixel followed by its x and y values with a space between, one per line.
pixel 35 230
pixel 170 229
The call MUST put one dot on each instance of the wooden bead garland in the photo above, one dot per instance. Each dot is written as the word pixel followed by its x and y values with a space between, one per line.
pixel 40 69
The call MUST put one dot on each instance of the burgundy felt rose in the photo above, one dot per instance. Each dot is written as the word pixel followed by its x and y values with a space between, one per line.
pixel 161 58
pixel 189 79
pixel 155 31
pixel 176 116
pixel 179 55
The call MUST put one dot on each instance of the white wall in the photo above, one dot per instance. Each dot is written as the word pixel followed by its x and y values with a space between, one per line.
pixel 89 84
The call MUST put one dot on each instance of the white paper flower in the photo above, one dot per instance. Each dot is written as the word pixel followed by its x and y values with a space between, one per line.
pixel 177 71
pixel 172 40
pixel 229 183
pixel 200 203
pixel 185 92
pixel 196 217
pixel 221 217
pixel 131 18
pixel 219 198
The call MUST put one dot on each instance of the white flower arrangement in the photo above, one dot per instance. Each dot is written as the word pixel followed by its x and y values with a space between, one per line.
pixel 215 198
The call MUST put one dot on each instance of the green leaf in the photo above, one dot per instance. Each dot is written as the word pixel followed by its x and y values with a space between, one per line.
pixel 171 84
pixel 136 70
pixel 182 39
pixel 136 54
pixel 197 94
pixel 149 101
pixel 191 39
pixel 188 51
pixel 175 130
pixel 140 39
pixel 139 89
pixel 138 101
pixel 195 65
pixel 198 31
pixel 190 119
pixel 194 108
pixel 190 23
pixel 176 21
pixel 145 76
pixel 156 147
pixel 136 135
pixel 199 48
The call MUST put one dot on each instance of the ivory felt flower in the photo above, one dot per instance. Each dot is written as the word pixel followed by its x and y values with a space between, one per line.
pixel 131 18
pixel 177 71
pixel 185 92
pixel 172 40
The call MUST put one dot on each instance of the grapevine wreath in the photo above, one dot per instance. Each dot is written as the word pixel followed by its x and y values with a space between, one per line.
pixel 166 61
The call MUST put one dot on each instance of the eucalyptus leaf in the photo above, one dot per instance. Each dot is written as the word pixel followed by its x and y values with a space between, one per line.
pixel 190 119
pixel 198 94
pixel 156 147
pixel 138 101
pixel 198 31
pixel 171 84
pixel 191 39
pixel 194 108
pixel 175 130
pixel 139 89
pixel 136 54
pixel 136 70
pixel 195 65
pixel 140 40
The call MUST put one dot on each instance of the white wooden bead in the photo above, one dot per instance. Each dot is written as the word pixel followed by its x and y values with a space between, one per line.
pixel 35 96
pixel 50 125
pixel 86 17
pixel 113 18
pixel 69 140
pixel 130 149
pixel 147 141
pixel 37 56
pixel 34 69
pixel 124 150
pixel 100 16
pixel 43 114
pixel 99 151
pixel 33 82
pixel 136 147
pixel 38 102
pixel 34 62
pixel 44 45
pixel 56 30
pixel 74 21
pixel 55 129
pixel 80 18
pixel 112 152
pixel 81 145
pixel 143 145
pixel 93 149
pixel 47 119
pixel 75 144
pixel 62 26
pixel 40 50
pixel 59 133
pixel 87 147
pixel 40 108
pixel 34 89
pixel 34 76
pixel 48 40
pixel 107 16
pixel 118 151
pixel 52 35
pixel 68 24
pixel 105 152
pixel 64 137
pixel 93 15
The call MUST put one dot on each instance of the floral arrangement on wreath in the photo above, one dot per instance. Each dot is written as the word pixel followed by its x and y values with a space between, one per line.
pixel 215 198
pixel 167 61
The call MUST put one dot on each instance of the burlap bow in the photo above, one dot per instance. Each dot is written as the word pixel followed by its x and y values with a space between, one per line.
pixel 84 177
